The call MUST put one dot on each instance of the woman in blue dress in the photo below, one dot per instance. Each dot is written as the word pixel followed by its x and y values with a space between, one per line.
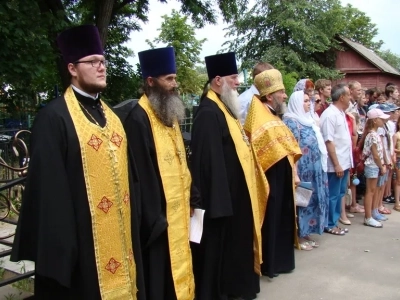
pixel 311 167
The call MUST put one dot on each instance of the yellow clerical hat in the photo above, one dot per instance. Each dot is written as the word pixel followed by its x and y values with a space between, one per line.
pixel 268 82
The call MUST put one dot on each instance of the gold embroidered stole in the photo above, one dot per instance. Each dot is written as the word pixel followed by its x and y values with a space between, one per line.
pixel 255 178
pixel 176 181
pixel 272 140
pixel 105 168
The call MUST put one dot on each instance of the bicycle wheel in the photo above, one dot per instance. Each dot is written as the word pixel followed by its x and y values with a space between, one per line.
pixel 15 204
pixel 4 207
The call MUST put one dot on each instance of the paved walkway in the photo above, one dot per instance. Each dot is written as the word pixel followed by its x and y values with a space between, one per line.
pixel 362 265
pixel 9 292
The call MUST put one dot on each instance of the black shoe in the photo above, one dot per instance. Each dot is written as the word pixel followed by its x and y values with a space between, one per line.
pixel 387 199
pixel 251 297
pixel 273 275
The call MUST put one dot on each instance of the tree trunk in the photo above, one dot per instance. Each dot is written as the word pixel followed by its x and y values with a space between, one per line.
pixel 103 17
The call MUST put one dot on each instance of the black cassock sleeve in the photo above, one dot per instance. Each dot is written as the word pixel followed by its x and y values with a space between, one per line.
pixel 46 231
pixel 152 200
pixel 195 198
pixel 208 162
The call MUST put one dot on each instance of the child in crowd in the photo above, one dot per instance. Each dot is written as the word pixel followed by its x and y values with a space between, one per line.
pixel 391 125
pixel 354 207
pixel 375 166
pixel 362 113
pixel 396 143
pixel 381 99
pixel 387 142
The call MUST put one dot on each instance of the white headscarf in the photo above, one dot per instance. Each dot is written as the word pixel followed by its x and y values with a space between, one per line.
pixel 301 86
pixel 296 111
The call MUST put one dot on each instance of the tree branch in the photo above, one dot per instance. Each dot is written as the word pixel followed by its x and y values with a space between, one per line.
pixel 122 4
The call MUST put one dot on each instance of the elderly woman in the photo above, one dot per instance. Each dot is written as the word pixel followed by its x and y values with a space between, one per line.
pixel 311 167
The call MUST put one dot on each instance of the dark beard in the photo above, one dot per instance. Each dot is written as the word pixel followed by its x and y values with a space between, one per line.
pixel 277 105
pixel 91 88
pixel 166 104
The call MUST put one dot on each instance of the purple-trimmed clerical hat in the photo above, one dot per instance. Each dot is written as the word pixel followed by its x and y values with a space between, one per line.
pixel 78 42
pixel 221 65
pixel 157 62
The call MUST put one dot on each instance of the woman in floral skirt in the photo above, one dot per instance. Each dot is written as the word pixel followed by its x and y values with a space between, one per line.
pixel 311 168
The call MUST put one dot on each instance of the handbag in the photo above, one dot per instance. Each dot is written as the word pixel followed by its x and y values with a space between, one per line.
pixel 303 194
pixel 358 161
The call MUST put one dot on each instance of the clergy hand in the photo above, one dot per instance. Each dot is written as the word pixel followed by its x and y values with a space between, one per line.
pixel 191 212
pixel 296 180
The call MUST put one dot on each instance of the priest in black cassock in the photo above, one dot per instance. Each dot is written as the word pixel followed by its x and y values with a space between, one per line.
pixel 277 151
pixel 77 222
pixel 167 193
pixel 232 187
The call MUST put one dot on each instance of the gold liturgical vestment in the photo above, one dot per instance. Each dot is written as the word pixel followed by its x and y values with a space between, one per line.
pixel 176 182
pixel 255 179
pixel 105 167
pixel 272 140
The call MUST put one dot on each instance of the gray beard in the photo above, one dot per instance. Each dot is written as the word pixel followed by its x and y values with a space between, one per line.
pixel 167 106
pixel 230 98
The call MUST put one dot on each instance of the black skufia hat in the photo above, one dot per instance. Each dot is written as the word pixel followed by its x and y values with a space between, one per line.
pixel 221 65
pixel 157 62
pixel 78 42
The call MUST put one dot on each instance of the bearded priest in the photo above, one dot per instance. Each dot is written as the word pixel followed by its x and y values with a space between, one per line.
pixel 77 222
pixel 233 190
pixel 155 139
pixel 277 151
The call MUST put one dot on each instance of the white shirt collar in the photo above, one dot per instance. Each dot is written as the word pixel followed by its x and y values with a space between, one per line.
pixel 271 107
pixel 83 93
pixel 254 89
pixel 337 109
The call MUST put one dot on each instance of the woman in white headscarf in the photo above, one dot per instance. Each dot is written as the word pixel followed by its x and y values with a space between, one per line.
pixel 308 87
pixel 311 167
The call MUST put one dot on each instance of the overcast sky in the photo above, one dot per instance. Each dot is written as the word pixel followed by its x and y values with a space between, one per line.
pixel 384 13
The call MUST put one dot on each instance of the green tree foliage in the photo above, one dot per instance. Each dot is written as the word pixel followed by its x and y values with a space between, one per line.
pixel 289 81
pixel 357 26
pixel 29 60
pixel 176 32
pixel 391 58
pixel 299 35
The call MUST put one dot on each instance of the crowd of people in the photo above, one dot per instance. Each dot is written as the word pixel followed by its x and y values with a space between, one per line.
pixel 107 204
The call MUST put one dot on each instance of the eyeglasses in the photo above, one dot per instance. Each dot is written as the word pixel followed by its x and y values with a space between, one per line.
pixel 94 63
